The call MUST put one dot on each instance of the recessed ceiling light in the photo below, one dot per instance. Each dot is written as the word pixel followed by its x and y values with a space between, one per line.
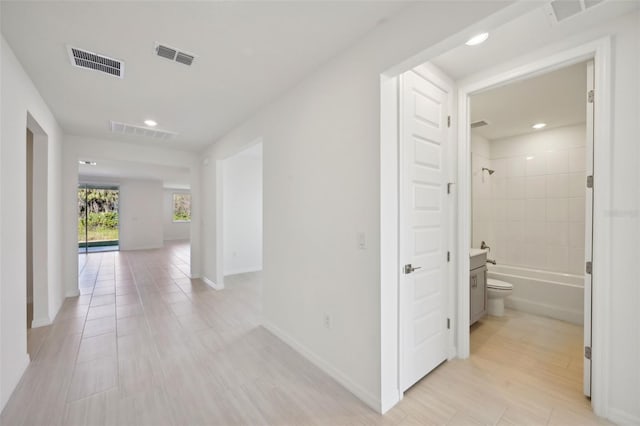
pixel 150 123
pixel 87 163
pixel 539 126
pixel 477 39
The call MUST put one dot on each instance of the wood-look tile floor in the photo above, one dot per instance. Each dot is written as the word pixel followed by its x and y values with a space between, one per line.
pixel 145 345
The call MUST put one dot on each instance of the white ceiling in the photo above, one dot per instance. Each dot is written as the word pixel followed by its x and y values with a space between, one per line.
pixel 247 53
pixel 114 171
pixel 520 36
pixel 557 98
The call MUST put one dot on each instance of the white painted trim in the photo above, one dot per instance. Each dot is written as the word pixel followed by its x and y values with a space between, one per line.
pixel 255 268
pixel 620 417
pixel 369 399
pixel 72 293
pixel 211 284
pixel 600 50
pixel 134 248
pixel 389 237
pixel 41 322
pixel 219 222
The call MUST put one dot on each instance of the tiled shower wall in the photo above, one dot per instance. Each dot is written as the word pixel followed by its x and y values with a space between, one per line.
pixel 531 211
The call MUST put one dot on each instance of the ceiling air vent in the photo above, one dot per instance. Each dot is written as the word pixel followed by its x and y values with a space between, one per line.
pixel 560 10
pixel 132 129
pixel 174 54
pixel 94 61
pixel 480 123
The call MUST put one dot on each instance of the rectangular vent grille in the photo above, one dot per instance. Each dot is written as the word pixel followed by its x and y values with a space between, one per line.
pixel 96 62
pixel 166 52
pixel 560 10
pixel 480 123
pixel 174 54
pixel 131 129
pixel 183 58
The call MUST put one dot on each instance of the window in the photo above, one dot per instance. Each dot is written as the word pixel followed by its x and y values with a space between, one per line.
pixel 182 207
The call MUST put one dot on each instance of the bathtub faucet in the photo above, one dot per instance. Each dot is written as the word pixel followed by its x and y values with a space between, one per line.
pixel 493 262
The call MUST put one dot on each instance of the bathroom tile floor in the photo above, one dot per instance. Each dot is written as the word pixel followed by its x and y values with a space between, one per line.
pixel 145 345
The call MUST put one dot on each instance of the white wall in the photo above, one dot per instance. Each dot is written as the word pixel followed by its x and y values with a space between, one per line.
pixel 533 212
pixel 19 97
pixel 173 230
pixel 141 214
pixel 481 228
pixel 242 211
pixel 622 404
pixel 321 185
pixel 321 188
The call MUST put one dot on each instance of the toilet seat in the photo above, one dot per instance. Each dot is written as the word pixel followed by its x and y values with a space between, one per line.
pixel 499 285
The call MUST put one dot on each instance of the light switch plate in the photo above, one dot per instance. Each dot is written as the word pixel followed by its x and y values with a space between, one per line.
pixel 362 241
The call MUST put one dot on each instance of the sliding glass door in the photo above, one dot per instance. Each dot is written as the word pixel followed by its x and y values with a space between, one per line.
pixel 98 225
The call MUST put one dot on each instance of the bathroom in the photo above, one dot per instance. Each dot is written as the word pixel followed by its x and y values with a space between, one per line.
pixel 529 223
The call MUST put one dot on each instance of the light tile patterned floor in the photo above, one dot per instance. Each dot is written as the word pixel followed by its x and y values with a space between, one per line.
pixel 145 345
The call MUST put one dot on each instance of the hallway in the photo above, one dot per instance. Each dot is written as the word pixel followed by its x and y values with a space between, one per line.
pixel 145 345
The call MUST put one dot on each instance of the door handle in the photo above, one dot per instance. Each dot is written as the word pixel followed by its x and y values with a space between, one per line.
pixel 409 269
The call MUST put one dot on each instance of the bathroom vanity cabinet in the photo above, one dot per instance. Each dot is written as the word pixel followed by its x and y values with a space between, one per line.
pixel 478 286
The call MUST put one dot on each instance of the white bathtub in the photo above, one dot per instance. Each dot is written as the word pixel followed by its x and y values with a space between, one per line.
pixel 550 294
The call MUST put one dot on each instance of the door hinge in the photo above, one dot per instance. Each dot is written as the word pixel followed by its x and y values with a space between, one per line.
pixel 587 352
pixel 448 323
pixel 448 121
pixel 449 185
pixel 590 96
pixel 590 181
pixel 448 256
pixel 588 267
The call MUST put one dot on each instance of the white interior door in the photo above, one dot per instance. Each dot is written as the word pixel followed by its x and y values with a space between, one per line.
pixel 588 240
pixel 423 229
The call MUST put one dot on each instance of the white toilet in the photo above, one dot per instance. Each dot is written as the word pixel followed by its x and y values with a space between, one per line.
pixel 496 292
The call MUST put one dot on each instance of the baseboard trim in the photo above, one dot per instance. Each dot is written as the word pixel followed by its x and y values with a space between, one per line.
pixel 40 322
pixel 243 270
pixel 622 418
pixel 557 312
pixel 336 374
pixel 211 284
pixel 390 402
pixel 153 247
pixel 72 293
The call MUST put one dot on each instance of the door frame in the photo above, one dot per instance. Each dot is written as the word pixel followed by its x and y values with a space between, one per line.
pixel 600 52
pixel 390 313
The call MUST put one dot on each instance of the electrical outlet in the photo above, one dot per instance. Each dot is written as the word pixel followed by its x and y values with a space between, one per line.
pixel 327 321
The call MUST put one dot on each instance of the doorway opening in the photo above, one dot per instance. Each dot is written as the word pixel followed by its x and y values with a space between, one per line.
pixel 242 217
pixel 531 222
pixel 458 309
pixel 98 218
pixel 29 228
pixel 37 240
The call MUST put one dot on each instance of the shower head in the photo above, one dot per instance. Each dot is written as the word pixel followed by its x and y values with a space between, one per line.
pixel 489 170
